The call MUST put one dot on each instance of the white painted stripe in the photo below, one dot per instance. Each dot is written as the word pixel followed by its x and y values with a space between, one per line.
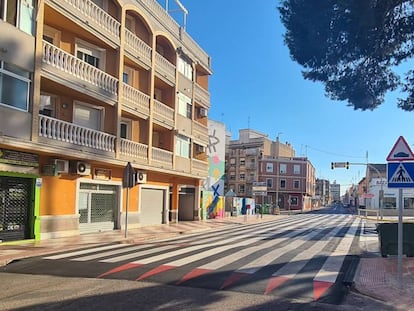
pixel 86 251
pixel 296 264
pixel 221 262
pixel 330 270
pixel 225 242
pixel 266 259
pixel 140 254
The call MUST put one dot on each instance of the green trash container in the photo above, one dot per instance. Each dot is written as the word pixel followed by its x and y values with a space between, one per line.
pixel 388 236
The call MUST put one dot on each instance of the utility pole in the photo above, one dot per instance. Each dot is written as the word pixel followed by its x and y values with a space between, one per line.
pixel 277 168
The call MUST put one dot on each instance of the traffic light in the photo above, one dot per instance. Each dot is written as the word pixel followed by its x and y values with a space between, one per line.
pixel 347 165
pixel 332 166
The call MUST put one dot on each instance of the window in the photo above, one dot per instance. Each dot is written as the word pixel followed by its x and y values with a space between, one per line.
pixel 128 75
pixel 269 167
pixel 51 35
pixel 126 126
pixel 232 176
pixel 282 183
pixel 182 147
pixel 296 169
pixel 282 169
pixel 185 107
pixel 88 116
pixel 296 184
pixel 242 176
pixel 48 104
pixel 19 13
pixel 90 54
pixel 269 183
pixel 158 94
pixel 390 202
pixel 293 200
pixel 185 68
pixel 14 86
pixel 242 161
pixel 241 188
pixel 232 162
pixel 408 203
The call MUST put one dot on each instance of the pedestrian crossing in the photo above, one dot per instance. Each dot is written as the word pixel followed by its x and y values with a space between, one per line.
pixel 306 248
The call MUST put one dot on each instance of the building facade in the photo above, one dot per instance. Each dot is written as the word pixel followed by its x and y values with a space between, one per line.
pixel 255 158
pixel 85 88
pixel 322 194
pixel 335 190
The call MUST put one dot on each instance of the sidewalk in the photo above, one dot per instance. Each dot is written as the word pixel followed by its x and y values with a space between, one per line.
pixel 375 276
pixel 378 277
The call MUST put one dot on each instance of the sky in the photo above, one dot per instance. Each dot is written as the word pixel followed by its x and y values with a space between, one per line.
pixel 256 85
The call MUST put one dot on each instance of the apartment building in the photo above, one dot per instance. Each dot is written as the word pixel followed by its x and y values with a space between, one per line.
pixel 254 157
pixel 322 194
pixel 86 87
pixel 290 181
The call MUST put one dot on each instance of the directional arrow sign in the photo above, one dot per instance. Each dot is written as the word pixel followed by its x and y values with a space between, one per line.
pixel 400 175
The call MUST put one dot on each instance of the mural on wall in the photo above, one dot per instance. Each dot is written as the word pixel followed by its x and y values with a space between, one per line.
pixel 213 192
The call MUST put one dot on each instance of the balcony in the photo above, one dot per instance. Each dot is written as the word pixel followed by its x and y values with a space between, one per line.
pixel 138 49
pixel 135 101
pixel 165 69
pixel 202 96
pixel 91 17
pixel 69 134
pixel 134 151
pixel 63 67
pixel 163 115
pixel 199 167
pixel 200 133
pixel 162 158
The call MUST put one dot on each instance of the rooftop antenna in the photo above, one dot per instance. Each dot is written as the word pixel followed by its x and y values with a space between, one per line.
pixel 180 8
pixel 248 122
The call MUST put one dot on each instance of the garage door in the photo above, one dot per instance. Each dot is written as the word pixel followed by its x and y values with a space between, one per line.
pixel 152 206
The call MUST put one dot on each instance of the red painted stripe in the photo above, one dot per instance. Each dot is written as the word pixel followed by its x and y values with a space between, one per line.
pixel 236 276
pixel 119 269
pixel 274 283
pixel 155 271
pixel 319 288
pixel 193 274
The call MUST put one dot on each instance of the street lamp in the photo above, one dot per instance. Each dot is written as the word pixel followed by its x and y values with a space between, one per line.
pixel 277 168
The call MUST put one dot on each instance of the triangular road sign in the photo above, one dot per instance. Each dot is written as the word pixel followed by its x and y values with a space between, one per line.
pixel 401 176
pixel 401 151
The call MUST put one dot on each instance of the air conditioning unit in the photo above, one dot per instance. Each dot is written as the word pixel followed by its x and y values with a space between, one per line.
pixel 61 166
pixel 201 148
pixel 80 168
pixel 141 177
pixel 202 112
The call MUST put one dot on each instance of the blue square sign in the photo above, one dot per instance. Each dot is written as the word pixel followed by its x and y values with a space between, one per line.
pixel 400 174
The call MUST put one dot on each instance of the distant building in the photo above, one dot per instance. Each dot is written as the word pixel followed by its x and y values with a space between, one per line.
pixel 322 192
pixel 254 158
pixel 335 190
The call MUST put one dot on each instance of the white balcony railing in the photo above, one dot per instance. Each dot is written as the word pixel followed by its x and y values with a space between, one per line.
pixel 134 149
pixel 79 69
pixel 71 133
pixel 87 10
pixel 163 114
pixel 200 132
pixel 136 100
pixel 200 167
pixel 165 68
pixel 163 157
pixel 202 96
pixel 138 47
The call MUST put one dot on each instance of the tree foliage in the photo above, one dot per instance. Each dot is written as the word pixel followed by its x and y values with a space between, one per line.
pixel 353 47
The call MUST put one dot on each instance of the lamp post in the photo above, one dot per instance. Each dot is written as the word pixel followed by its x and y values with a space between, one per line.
pixel 277 168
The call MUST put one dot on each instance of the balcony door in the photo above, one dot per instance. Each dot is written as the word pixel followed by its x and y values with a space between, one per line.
pixel 88 116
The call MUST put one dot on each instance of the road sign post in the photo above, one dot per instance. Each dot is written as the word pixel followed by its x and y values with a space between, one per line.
pixel 400 173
